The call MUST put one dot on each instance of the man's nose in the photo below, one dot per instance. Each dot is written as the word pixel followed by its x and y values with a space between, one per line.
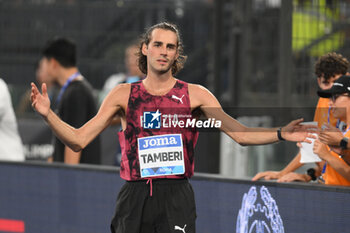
pixel 164 50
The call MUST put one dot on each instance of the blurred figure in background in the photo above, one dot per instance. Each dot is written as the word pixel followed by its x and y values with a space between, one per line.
pixel 11 147
pixel 24 107
pixel 133 72
pixel 75 102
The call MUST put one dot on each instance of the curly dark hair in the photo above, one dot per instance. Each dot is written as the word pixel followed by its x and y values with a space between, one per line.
pixel 146 38
pixel 331 64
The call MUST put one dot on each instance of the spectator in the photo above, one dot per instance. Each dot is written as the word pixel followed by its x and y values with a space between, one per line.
pixel 75 102
pixel 337 158
pixel 133 73
pixel 328 69
pixel 41 76
pixel 11 147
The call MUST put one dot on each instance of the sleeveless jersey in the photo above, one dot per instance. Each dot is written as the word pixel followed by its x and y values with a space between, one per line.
pixel 148 115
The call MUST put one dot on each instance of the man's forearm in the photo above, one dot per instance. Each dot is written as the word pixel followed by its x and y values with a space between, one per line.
pixel 66 133
pixel 293 165
pixel 71 157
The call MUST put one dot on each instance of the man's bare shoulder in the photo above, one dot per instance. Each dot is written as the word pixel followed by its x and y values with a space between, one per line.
pixel 119 95
pixel 198 94
pixel 196 89
pixel 121 89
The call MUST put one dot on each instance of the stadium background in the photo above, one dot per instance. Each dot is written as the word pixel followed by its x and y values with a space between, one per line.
pixel 256 56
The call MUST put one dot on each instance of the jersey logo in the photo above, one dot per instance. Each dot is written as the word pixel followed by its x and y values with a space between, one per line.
pixel 151 120
pixel 180 229
pixel 178 98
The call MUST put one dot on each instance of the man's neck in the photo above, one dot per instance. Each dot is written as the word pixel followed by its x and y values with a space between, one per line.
pixel 65 74
pixel 159 84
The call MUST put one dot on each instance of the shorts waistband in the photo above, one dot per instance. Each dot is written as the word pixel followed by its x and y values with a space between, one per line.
pixel 159 181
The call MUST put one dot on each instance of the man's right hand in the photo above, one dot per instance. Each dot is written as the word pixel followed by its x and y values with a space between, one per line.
pixel 267 175
pixel 40 102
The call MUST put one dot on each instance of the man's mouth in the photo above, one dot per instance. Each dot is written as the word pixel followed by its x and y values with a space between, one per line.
pixel 162 61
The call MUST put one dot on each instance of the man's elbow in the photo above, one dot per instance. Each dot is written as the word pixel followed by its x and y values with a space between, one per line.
pixel 241 141
pixel 241 137
pixel 79 144
pixel 77 148
pixel 243 144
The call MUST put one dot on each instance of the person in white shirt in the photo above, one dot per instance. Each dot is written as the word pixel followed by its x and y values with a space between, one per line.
pixel 11 147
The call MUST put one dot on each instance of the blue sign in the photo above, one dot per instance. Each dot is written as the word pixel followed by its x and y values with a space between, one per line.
pixel 161 141
pixel 162 171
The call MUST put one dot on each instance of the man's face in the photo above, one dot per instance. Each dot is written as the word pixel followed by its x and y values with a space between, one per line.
pixel 47 67
pixel 339 105
pixel 326 84
pixel 42 72
pixel 161 51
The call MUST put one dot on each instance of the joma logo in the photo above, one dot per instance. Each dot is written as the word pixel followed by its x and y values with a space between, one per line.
pixel 161 141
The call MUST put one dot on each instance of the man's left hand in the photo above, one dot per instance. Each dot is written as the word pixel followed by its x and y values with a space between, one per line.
pixel 297 132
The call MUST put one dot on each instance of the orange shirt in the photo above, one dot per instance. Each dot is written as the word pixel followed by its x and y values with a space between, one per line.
pixel 331 176
pixel 321 113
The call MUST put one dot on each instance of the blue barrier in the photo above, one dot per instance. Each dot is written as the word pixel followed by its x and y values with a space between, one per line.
pixel 56 198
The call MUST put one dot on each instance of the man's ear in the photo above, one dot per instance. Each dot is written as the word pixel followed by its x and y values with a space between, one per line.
pixel 144 49
pixel 53 62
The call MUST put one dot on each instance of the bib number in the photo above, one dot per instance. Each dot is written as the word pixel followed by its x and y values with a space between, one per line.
pixel 161 155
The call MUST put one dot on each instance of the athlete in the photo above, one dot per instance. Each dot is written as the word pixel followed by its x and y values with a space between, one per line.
pixel 157 160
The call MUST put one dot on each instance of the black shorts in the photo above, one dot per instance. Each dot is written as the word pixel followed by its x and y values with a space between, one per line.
pixel 170 209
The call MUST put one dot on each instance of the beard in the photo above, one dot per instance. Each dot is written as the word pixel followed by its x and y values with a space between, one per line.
pixel 163 69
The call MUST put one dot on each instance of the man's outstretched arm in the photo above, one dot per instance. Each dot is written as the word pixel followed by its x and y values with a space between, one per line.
pixel 206 101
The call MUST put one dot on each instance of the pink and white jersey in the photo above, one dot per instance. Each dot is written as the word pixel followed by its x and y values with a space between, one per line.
pixel 160 136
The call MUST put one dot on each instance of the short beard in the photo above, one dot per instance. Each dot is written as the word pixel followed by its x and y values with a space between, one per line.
pixel 163 71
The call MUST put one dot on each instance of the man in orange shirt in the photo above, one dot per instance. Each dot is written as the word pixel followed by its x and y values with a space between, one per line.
pixel 328 69
pixel 337 157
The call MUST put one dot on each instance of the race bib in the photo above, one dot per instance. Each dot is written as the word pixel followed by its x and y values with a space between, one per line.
pixel 161 155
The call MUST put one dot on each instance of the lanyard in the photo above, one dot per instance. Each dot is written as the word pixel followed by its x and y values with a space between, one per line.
pixel 328 118
pixel 343 132
pixel 338 121
pixel 66 84
pixel 329 114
